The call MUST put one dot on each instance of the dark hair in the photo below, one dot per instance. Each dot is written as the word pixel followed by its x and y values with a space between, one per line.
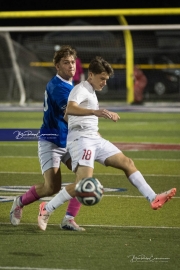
pixel 65 51
pixel 99 65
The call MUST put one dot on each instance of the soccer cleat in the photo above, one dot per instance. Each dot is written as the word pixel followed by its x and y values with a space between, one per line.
pixel 43 216
pixel 70 224
pixel 162 198
pixel 16 212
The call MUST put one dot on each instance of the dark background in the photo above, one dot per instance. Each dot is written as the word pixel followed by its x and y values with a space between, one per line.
pixel 68 5
pixel 25 5
pixel 146 49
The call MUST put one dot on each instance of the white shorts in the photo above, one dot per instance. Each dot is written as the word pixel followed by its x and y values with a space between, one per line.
pixel 50 155
pixel 84 151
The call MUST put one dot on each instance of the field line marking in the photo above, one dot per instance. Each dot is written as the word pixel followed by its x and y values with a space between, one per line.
pixel 32 268
pixel 19 157
pixel 99 225
pixel 17 144
pixel 7 198
pixel 23 172
pixel 140 227
pixel 71 173
pixel 131 196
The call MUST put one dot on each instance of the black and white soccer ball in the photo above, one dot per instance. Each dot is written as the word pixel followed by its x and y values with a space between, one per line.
pixel 89 191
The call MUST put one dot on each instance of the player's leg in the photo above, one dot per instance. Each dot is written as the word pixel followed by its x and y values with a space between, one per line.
pixel 120 161
pixel 53 174
pixel 51 185
pixel 72 209
pixel 49 161
pixel 53 181
pixel 64 195
pixel 83 164
pixel 68 192
pixel 68 222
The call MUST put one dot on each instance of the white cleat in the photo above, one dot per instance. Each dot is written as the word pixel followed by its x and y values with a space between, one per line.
pixel 16 212
pixel 70 224
pixel 43 217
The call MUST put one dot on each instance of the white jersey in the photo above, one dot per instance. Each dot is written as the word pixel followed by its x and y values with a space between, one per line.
pixel 84 95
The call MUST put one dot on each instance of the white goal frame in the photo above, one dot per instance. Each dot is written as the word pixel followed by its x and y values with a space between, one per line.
pixel 7 30
pixel 90 28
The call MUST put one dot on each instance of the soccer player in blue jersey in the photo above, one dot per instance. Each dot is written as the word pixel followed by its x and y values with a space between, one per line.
pixel 52 143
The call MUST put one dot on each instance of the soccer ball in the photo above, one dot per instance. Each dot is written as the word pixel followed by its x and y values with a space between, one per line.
pixel 89 191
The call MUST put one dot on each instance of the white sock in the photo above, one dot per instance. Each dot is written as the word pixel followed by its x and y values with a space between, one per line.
pixel 58 200
pixel 138 181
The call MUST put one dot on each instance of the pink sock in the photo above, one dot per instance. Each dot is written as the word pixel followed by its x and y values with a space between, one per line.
pixel 30 196
pixel 73 207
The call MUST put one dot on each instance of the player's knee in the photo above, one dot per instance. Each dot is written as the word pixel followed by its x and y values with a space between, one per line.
pixel 129 167
pixel 131 162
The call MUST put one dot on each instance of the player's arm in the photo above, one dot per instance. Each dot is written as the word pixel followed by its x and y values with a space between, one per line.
pixel 73 108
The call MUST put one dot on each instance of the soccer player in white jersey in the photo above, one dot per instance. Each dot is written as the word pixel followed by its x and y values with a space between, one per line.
pixel 52 149
pixel 85 144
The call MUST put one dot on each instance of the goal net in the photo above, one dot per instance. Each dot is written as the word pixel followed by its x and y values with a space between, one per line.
pixel 26 60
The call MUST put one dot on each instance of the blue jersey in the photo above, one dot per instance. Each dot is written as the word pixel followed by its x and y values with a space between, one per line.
pixel 54 128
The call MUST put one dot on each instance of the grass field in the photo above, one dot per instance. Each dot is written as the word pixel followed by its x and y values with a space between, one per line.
pixel 122 232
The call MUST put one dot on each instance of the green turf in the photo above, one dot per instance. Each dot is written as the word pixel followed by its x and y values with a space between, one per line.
pixel 122 232
pixel 97 248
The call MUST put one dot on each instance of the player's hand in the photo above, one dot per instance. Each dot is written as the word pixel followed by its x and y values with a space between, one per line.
pixel 103 113
pixel 107 114
pixel 114 116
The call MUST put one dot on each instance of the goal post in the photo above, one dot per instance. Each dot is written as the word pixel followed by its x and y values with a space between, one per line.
pixel 15 68
pixel 29 61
